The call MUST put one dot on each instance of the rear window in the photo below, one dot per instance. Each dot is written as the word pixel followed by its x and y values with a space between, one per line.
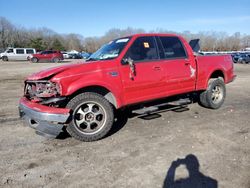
pixel 29 51
pixel 19 51
pixel 172 47
pixel 46 52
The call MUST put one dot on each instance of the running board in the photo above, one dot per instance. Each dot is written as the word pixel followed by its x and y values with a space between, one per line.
pixel 173 104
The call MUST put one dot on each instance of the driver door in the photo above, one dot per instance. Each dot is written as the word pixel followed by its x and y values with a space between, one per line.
pixel 148 81
pixel 10 54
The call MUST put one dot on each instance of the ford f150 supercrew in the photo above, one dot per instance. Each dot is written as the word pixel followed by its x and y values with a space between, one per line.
pixel 130 70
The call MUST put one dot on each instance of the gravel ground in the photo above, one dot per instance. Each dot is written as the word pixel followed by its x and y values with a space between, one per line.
pixel 141 153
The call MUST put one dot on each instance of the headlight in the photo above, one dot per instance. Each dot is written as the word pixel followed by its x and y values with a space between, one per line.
pixel 41 89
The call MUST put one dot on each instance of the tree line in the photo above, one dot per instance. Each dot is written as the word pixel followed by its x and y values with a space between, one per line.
pixel 44 38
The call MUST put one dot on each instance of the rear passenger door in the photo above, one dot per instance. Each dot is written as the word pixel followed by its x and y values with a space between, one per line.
pixel 179 69
pixel 148 80
pixel 20 55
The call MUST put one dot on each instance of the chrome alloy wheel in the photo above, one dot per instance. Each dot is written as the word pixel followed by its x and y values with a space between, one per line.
pixel 89 117
pixel 217 94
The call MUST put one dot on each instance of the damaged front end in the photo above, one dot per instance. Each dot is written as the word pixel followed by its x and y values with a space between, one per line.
pixel 43 107
pixel 43 92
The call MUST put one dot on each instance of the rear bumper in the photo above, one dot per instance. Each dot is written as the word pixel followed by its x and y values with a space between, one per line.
pixel 47 121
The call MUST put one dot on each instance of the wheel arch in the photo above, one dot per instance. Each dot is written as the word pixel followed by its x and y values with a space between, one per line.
pixel 202 83
pixel 217 74
pixel 5 58
pixel 106 93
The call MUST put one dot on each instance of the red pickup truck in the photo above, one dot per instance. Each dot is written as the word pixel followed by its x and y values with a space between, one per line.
pixel 126 71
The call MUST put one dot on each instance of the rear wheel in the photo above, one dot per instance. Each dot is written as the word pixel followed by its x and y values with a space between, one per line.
pixel 92 117
pixel 56 60
pixel 34 60
pixel 215 94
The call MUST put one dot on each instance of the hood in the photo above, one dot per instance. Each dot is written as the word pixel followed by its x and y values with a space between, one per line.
pixel 50 72
pixel 66 70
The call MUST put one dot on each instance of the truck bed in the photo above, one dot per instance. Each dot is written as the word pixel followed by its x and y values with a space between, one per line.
pixel 208 64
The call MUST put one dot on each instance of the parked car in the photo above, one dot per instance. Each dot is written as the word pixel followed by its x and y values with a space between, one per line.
pixel 235 57
pixel 49 55
pixel 17 54
pixel 127 71
pixel 244 58
pixel 65 55
pixel 85 55
pixel 75 56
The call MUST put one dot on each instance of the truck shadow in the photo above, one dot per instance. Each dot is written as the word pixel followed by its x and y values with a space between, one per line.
pixel 154 114
pixel 195 178
pixel 122 117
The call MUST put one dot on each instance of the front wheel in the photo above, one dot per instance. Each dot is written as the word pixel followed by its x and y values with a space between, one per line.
pixel 92 117
pixel 215 94
pixel 5 58
pixel 34 60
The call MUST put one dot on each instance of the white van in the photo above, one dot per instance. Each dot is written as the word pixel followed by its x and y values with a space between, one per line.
pixel 17 54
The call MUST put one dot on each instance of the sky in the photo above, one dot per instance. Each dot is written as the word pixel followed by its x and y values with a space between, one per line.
pixel 95 17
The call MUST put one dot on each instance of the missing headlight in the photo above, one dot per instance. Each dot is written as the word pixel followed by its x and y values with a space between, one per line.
pixel 41 89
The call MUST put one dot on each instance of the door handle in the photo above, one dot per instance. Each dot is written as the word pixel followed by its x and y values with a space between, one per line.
pixel 187 63
pixel 157 68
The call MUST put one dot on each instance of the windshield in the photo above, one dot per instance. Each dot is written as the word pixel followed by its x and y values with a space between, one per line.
pixel 110 50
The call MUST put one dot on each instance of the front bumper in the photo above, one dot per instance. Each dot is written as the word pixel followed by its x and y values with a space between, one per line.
pixel 47 121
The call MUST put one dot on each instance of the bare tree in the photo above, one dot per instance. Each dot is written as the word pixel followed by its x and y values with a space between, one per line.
pixel 45 38
pixel 6 33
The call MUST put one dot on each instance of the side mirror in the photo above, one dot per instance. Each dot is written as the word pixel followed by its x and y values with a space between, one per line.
pixel 132 67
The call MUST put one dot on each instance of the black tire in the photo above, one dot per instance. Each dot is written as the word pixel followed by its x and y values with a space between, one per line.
pixel 215 94
pixel 80 130
pixel 202 99
pixel 56 60
pixel 5 58
pixel 34 60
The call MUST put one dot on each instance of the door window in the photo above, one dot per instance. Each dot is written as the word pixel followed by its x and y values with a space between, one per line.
pixel 172 48
pixel 10 51
pixel 143 49
pixel 46 52
pixel 19 51
pixel 50 52
pixel 29 51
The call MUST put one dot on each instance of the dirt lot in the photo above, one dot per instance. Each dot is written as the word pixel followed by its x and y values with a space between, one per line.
pixel 140 154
